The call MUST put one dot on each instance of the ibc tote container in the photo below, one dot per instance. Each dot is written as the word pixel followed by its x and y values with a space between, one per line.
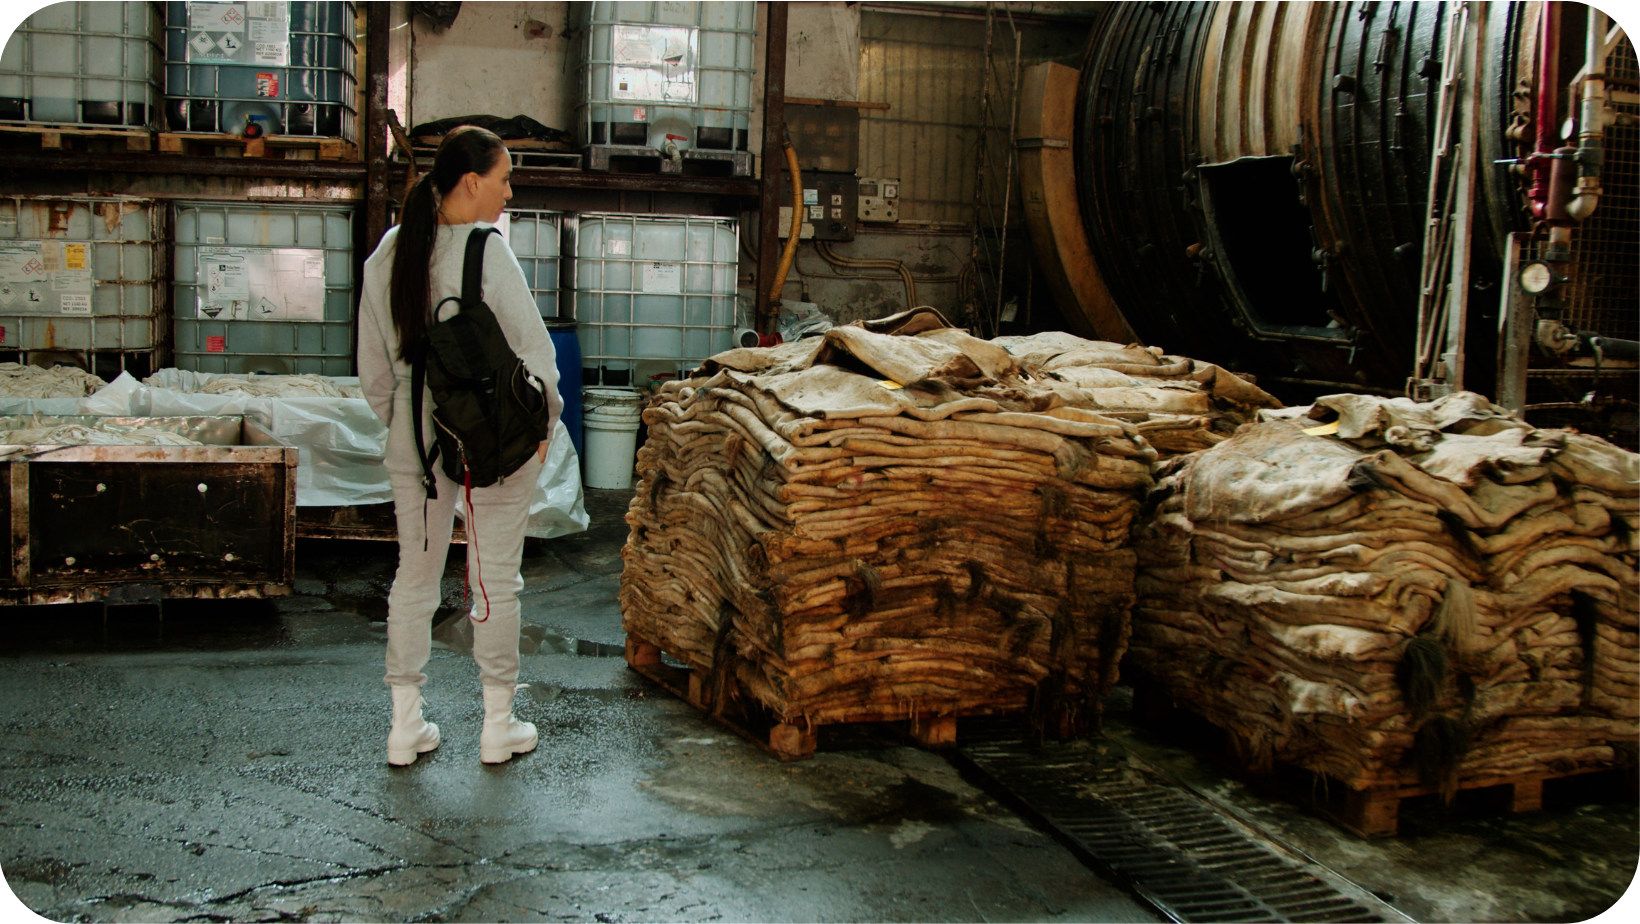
pixel 653 288
pixel 533 235
pixel 654 71
pixel 79 282
pixel 85 64
pixel 263 288
pixel 288 68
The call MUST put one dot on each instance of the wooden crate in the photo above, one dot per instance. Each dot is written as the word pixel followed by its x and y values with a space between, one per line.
pixel 93 523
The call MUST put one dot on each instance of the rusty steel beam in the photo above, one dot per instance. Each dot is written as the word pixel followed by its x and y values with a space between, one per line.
pixel 774 130
pixel 373 144
pixel 378 22
pixel 25 162
pixel 740 187
pixel 543 178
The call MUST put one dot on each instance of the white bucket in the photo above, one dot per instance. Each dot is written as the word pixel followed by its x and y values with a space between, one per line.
pixel 609 421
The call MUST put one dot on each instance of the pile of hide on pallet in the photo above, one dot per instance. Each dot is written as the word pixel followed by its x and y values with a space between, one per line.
pixel 900 519
pixel 1411 594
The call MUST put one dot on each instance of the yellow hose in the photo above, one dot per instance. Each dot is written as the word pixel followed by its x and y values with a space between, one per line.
pixel 790 250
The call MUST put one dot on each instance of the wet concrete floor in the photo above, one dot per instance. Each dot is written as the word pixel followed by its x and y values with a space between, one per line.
pixel 225 762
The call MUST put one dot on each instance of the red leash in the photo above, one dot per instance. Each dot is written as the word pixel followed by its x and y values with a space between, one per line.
pixel 472 543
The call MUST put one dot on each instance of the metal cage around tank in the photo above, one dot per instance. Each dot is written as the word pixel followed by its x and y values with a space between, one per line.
pixel 654 294
pixel 85 64
pixel 80 282
pixel 302 82
pixel 263 288
pixel 655 72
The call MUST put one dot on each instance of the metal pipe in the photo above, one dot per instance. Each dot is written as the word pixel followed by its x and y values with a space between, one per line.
pixel 1614 348
pixel 836 259
pixel 1546 105
pixel 1591 128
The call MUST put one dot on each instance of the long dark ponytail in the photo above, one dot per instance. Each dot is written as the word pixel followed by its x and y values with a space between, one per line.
pixel 467 149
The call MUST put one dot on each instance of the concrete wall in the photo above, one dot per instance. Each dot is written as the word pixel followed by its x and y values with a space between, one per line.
pixel 502 59
pixel 823 50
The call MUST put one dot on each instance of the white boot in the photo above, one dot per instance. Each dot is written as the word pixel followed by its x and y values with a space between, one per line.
pixel 503 735
pixel 411 734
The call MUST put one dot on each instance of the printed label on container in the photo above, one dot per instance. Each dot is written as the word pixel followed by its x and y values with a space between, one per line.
pixel 663 278
pixel 2 333
pixel 216 343
pixel 36 277
pixel 260 284
pixel 267 84
pixel 653 63
pixel 216 17
pixel 238 33
pixel 275 53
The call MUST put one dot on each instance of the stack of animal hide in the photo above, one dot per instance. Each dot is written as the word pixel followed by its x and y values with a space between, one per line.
pixel 21 381
pixel 894 519
pixel 1394 593
pixel 1177 404
pixel 255 386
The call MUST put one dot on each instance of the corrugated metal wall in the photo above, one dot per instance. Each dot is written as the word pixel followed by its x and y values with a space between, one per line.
pixel 931 71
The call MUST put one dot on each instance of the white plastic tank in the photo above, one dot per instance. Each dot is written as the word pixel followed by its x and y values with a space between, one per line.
pixel 85 64
pixel 263 288
pixel 273 68
pixel 653 292
pixel 79 282
pixel 534 237
pixel 660 71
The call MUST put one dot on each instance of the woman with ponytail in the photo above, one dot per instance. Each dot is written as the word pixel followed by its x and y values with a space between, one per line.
pixel 417 265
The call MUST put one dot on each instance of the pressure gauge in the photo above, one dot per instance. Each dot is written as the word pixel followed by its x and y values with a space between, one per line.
pixel 1536 278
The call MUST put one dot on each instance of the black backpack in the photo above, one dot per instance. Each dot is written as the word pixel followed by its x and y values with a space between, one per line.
pixel 489 413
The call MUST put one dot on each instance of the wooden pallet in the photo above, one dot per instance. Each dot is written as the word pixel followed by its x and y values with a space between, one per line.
pixel 1377 812
pixel 77 138
pixel 1368 813
pixel 621 158
pixel 752 721
pixel 277 147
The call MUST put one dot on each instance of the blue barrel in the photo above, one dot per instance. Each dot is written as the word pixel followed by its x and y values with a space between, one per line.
pixel 568 347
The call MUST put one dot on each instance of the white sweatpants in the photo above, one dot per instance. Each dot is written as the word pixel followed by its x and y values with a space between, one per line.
pixel 495 545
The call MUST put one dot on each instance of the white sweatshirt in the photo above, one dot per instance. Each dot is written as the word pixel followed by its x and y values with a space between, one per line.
pixel 386 378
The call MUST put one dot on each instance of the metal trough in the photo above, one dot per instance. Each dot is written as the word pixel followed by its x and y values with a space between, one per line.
pixel 90 523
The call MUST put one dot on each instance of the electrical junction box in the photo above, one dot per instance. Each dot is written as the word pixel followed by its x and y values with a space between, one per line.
pixel 829 200
pixel 825 137
pixel 879 199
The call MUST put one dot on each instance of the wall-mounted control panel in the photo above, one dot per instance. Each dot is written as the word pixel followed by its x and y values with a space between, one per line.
pixel 879 199
pixel 829 200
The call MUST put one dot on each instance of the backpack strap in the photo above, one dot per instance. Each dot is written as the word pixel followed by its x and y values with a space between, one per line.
pixel 418 384
pixel 472 292
pixel 472 270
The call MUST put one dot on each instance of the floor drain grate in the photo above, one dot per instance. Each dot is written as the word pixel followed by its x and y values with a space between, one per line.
pixel 1177 852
